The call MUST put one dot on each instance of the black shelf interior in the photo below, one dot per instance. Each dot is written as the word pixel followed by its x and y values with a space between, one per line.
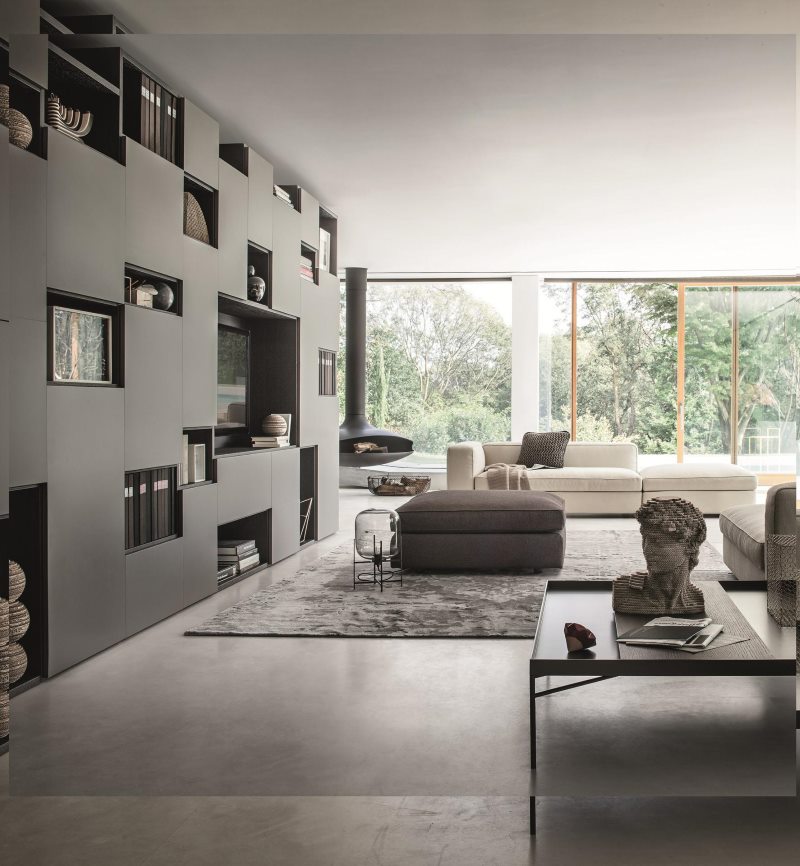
pixel 27 546
pixel 307 252
pixel 256 526
pixel 136 277
pixel 155 121
pixel 261 259
pixel 151 507
pixel 294 194
pixel 207 199
pixel 308 490
pixel 236 155
pixel 29 100
pixel 197 436
pixel 272 372
pixel 329 222
pixel 81 88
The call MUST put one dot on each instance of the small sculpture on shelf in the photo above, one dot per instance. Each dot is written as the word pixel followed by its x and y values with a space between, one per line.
pixel 256 287
pixel 72 122
pixel 139 292
pixel 672 532
pixel 164 297
pixel 275 425
pixel 20 131
pixel 578 637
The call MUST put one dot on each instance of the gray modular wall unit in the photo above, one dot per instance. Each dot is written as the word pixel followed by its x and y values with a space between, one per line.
pixel 199 507
pixel 244 485
pixel 309 219
pixel 28 54
pixel 259 200
pixel 28 252
pixel 285 258
pixel 153 584
pixel 200 145
pixel 232 231
pixel 5 232
pixel 153 408
pixel 5 353
pixel 28 391
pixel 153 211
pixel 85 508
pixel 85 220
pixel 200 281
pixel 285 503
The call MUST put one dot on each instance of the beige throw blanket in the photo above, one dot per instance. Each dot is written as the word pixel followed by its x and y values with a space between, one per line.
pixel 507 476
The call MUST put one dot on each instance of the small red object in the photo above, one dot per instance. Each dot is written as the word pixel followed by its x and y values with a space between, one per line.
pixel 578 637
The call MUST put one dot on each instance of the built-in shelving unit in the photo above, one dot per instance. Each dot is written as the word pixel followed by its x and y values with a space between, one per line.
pixel 152 114
pixel 308 494
pixel 197 457
pixel 158 292
pixel 206 198
pixel 151 507
pixel 28 99
pixel 255 526
pixel 329 223
pixel 260 260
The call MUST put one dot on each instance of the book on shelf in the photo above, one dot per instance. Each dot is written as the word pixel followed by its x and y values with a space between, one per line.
pixel 224 572
pixel 283 195
pixel 236 546
pixel 249 562
pixel 269 441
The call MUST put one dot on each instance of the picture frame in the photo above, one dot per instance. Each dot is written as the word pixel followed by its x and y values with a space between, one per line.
pixel 81 346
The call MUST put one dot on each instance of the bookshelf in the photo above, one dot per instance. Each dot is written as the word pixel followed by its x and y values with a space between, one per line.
pixel 152 115
pixel 150 507
pixel 205 197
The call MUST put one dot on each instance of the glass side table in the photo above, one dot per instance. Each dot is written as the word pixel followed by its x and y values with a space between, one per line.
pixel 377 541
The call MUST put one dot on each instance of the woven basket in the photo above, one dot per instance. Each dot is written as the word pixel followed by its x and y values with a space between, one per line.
pixel 16 580
pixel 20 131
pixel 194 221
pixel 782 576
pixel 398 485
pixel 17 662
pixel 19 620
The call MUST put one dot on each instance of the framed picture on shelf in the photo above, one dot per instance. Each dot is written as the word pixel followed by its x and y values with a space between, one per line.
pixel 81 346
pixel 324 250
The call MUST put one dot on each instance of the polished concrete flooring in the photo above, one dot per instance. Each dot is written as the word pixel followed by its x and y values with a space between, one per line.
pixel 171 750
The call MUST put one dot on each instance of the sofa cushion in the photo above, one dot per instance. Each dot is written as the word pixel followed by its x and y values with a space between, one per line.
pixel 623 455
pixel 743 526
pixel 544 449
pixel 484 511
pixel 583 479
pixel 697 476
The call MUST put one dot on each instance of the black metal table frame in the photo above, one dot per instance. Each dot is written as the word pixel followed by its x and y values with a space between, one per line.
pixel 379 575
pixel 599 670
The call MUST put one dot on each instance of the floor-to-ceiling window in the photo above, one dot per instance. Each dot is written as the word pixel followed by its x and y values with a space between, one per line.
pixel 689 372
pixel 438 362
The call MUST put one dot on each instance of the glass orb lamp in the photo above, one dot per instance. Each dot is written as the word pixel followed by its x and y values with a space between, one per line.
pixel 377 534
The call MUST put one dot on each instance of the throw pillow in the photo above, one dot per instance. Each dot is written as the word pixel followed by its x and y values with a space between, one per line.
pixel 547 449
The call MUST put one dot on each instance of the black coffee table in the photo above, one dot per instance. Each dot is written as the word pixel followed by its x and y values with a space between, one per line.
pixel 739 605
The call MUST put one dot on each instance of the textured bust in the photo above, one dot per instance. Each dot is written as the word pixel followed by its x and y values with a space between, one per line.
pixel 672 532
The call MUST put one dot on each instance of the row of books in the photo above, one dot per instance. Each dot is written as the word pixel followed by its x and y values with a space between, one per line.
pixel 284 196
pixel 307 268
pixel 159 119
pixel 235 556
pixel 269 441
pixel 149 506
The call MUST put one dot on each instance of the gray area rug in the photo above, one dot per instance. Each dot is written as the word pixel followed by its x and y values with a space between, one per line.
pixel 320 601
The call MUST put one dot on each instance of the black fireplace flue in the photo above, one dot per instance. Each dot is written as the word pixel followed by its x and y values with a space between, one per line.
pixel 355 429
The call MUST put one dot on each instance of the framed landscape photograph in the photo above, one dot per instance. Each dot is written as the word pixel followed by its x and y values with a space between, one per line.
pixel 81 346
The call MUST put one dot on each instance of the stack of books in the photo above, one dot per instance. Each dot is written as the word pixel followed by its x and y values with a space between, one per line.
pixel 307 268
pixel 281 193
pixel 269 441
pixel 673 632
pixel 235 556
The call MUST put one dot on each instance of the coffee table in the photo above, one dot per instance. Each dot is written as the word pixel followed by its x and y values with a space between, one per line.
pixel 739 605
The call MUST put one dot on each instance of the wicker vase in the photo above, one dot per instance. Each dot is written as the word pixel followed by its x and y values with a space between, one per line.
pixel 20 131
pixel 194 221
pixel 17 662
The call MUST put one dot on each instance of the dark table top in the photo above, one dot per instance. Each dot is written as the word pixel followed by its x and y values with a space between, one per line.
pixel 737 604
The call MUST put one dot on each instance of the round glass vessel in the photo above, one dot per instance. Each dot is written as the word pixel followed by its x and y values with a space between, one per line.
pixel 376 533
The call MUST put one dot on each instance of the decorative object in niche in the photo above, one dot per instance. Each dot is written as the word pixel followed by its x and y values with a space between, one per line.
pixel 71 121
pixel 275 425
pixel 17 662
pixel 4 103
pixel 194 222
pixel 20 131
pixel 256 287
pixel 197 463
pixel 18 622
pixel 164 297
pixel 578 637
pixel 81 344
pixel 140 293
pixel 398 485
pixel 672 532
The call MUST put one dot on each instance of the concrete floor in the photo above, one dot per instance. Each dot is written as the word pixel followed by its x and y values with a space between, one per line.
pixel 171 750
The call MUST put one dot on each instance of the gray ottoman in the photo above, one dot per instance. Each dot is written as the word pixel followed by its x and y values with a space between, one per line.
pixel 483 530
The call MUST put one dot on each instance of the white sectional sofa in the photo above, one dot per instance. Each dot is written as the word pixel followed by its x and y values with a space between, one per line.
pixel 604 478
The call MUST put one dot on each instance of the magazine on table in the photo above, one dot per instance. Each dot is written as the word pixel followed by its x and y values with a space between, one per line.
pixel 673 632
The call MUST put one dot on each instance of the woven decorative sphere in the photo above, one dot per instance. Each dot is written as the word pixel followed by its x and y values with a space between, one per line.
pixel 4 714
pixel 3 668
pixel 164 297
pixel 4 620
pixel 4 94
pixel 17 662
pixel 19 620
pixel 274 425
pixel 194 221
pixel 16 580
pixel 20 131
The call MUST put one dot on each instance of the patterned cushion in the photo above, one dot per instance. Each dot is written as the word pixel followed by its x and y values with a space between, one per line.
pixel 545 449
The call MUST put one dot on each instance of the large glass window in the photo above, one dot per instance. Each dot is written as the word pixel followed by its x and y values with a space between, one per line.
pixel 438 362
pixel 555 357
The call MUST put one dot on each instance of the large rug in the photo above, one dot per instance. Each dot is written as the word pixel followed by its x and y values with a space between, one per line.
pixel 320 601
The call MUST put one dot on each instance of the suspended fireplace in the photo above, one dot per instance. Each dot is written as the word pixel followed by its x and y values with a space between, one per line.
pixel 357 437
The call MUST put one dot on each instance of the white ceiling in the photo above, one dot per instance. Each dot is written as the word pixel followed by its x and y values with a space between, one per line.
pixel 471 154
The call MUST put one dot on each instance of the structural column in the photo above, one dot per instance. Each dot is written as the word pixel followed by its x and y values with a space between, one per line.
pixel 525 290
